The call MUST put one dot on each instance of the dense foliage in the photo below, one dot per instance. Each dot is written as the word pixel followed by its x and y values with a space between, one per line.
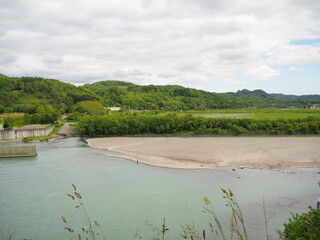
pixel 173 123
pixel 43 115
pixel 305 226
pixel 173 98
pixel 25 94
pixel 8 123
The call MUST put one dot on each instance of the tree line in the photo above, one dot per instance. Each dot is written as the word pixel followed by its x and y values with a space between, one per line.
pixel 117 125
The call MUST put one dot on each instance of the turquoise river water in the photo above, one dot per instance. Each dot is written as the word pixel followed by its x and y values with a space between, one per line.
pixel 126 198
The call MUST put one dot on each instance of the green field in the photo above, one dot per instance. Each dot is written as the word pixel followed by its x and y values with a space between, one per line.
pixel 259 114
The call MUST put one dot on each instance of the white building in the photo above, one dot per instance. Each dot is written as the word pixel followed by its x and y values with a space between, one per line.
pixel 114 108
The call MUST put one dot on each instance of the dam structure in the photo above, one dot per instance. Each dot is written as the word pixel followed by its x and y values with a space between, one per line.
pixel 18 151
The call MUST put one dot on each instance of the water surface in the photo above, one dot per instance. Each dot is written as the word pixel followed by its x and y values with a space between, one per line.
pixel 123 195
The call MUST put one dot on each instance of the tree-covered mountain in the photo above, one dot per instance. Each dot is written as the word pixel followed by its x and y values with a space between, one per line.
pixel 170 97
pixel 262 99
pixel 25 94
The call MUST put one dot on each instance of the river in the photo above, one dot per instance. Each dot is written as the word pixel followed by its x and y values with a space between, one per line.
pixel 126 197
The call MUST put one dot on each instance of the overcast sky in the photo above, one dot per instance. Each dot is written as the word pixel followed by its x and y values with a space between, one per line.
pixel 214 45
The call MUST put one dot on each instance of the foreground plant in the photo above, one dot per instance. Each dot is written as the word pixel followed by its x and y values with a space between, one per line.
pixel 305 226
pixel 90 229
pixel 159 232
pixel 237 228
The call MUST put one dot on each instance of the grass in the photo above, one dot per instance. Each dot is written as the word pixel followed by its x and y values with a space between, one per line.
pixel 19 122
pixel 31 100
pixel 258 114
pixel 225 115
pixel 44 138
pixel 12 115
pixel 89 229
pixel 284 115
pixel 18 118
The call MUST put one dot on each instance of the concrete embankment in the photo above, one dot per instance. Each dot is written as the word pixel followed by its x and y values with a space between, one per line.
pixel 18 151
pixel 28 131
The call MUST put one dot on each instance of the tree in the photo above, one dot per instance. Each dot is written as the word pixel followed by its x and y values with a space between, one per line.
pixel 8 123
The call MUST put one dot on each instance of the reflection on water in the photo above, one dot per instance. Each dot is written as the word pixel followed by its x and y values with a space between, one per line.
pixel 123 195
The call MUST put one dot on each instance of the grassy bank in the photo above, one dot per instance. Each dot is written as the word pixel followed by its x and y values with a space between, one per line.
pixel 44 138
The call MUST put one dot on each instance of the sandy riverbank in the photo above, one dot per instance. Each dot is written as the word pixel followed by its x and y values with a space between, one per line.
pixel 210 152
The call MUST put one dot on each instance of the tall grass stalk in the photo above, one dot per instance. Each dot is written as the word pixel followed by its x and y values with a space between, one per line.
pixel 237 227
pixel 90 229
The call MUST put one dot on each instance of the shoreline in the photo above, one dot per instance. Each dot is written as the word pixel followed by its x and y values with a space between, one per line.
pixel 211 152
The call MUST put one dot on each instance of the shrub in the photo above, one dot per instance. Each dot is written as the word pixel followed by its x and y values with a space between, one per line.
pixel 303 227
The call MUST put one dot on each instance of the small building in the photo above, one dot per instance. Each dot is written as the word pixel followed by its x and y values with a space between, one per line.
pixel 114 108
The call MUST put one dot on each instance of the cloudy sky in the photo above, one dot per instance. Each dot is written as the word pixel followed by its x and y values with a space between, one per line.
pixel 215 45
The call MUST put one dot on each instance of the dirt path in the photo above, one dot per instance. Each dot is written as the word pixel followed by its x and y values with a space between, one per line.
pixel 64 130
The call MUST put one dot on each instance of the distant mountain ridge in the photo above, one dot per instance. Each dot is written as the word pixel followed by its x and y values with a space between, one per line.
pixel 24 94
pixel 311 97
pixel 261 93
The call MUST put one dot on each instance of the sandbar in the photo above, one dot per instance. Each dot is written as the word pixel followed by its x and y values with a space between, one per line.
pixel 211 152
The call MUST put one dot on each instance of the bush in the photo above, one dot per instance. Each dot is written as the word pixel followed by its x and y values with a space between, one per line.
pixel 303 227
pixel 8 123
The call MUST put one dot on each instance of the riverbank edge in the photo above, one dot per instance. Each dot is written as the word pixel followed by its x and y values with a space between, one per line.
pixel 180 163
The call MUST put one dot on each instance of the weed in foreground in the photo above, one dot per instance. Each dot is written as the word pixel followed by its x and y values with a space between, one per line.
pixel 90 229
pixel 237 228
pixel 159 232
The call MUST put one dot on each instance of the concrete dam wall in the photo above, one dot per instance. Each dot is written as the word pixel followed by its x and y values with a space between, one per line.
pixel 23 133
pixel 18 151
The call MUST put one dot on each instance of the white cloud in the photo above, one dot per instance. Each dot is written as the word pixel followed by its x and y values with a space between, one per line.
pixel 262 73
pixel 294 55
pixel 187 42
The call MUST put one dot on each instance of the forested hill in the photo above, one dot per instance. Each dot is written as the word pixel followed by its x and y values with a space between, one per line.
pixel 313 97
pixel 24 94
pixel 260 98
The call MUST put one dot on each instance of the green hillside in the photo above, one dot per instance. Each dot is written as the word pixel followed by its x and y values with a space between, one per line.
pixel 26 94
pixel 171 97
